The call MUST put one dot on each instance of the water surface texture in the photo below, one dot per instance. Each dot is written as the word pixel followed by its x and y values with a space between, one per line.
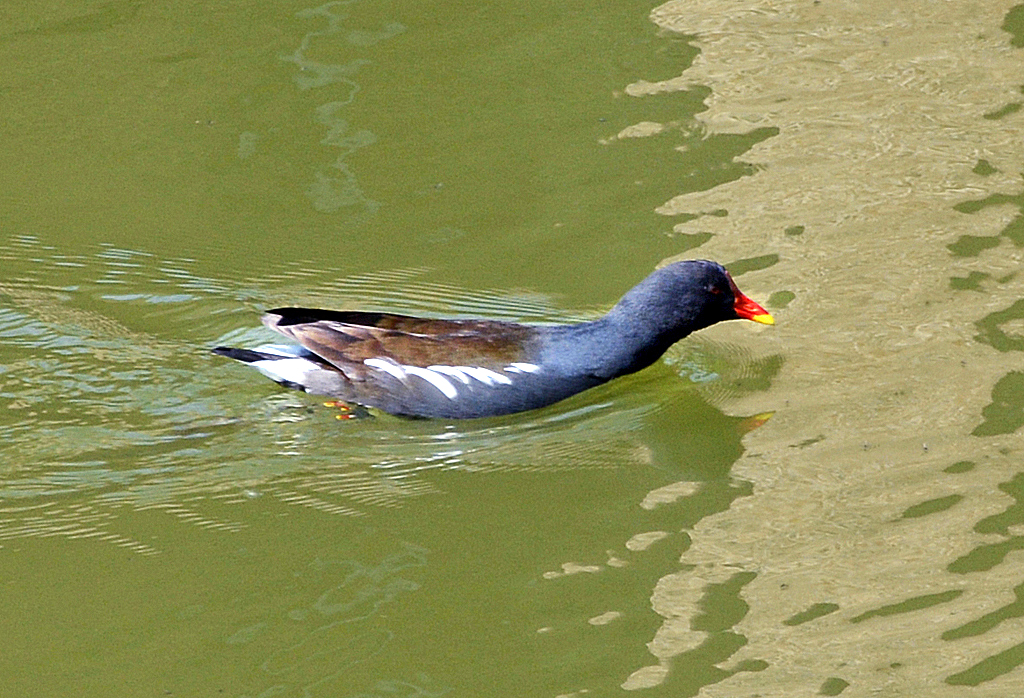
pixel 831 506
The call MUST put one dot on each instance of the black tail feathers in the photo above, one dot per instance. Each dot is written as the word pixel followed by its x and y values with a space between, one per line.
pixel 245 355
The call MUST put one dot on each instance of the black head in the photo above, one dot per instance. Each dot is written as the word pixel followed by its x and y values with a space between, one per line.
pixel 687 296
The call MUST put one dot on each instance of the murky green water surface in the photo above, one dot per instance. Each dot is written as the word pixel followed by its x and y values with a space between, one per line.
pixel 173 524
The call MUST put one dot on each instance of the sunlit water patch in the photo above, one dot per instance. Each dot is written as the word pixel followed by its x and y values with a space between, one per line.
pixel 876 551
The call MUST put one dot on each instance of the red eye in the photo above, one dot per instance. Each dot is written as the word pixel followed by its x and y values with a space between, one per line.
pixel 715 290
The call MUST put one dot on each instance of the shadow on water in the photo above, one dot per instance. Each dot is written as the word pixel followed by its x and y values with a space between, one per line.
pixel 876 553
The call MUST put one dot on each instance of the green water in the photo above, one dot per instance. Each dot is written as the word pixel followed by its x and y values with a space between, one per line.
pixel 827 507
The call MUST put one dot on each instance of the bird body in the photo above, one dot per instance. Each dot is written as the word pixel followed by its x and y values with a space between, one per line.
pixel 475 368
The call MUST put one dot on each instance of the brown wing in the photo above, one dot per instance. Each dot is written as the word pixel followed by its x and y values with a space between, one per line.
pixel 346 339
pixel 419 367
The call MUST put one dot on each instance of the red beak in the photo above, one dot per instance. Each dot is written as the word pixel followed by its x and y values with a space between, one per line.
pixel 749 310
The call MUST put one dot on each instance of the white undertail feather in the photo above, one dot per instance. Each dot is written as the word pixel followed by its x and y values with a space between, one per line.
pixel 286 350
pixel 294 370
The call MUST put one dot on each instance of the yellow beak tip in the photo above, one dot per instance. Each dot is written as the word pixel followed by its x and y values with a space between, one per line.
pixel 765 319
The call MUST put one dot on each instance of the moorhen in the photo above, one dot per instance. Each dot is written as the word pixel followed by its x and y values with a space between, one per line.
pixel 423 367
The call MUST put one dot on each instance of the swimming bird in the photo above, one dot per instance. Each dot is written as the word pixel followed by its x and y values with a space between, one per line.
pixel 458 369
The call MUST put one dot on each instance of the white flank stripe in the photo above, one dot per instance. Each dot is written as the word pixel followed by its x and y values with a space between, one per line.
pixel 464 373
pixel 452 371
pixel 435 379
pixel 435 374
pixel 485 375
pixel 291 370
pixel 402 372
pixel 387 366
